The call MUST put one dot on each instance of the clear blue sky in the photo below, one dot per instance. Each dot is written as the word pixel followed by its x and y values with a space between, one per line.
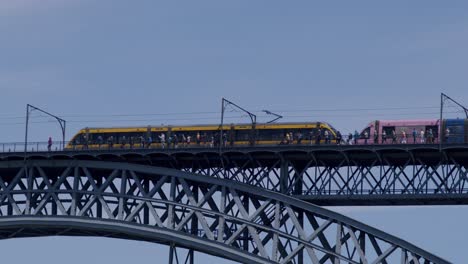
pixel 172 61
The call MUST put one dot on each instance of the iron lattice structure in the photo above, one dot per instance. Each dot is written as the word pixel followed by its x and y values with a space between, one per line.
pixel 185 209
pixel 324 175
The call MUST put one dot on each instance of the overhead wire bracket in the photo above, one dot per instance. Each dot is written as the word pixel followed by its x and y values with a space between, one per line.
pixel 271 113
pixel 224 104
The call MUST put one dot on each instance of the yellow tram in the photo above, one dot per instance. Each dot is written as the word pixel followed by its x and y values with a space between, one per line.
pixel 233 135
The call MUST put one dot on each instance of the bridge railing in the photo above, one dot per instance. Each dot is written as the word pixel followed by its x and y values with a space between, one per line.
pixel 41 146
pixel 31 147
pixel 383 192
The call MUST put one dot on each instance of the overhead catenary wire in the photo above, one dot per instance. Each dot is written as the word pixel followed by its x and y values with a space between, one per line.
pixel 167 121
pixel 299 109
pixel 176 118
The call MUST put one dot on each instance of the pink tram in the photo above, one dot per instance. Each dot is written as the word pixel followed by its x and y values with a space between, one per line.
pixel 417 131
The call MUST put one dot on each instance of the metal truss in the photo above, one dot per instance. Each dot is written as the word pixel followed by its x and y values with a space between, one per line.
pixel 188 210
pixel 350 183
pixel 324 175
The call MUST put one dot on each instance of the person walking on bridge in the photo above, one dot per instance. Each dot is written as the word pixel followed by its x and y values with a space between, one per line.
pixel 350 138
pixel 338 137
pixel 422 136
pixel 447 134
pixel 356 137
pixel 384 137
pixel 49 144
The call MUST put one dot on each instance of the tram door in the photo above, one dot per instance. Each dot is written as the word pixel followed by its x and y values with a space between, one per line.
pixel 388 131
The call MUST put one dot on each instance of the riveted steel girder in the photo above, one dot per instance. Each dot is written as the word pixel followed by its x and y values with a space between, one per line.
pixel 416 174
pixel 233 220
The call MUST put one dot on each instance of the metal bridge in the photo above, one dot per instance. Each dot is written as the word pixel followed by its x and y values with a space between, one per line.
pixel 233 203
pixel 324 175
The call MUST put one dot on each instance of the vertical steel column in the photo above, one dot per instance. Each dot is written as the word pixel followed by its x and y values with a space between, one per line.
pixel 54 204
pixel 245 203
pixel 170 217
pixel 276 225
pixel 171 253
pixel 146 187
pixel 221 217
pixel 99 205
pixel 440 120
pixel 76 182
pixel 297 180
pixel 362 243
pixel 123 191
pixel 284 175
pixel 194 224
pixel 29 178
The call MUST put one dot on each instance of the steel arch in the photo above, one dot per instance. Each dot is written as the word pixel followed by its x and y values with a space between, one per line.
pixel 215 216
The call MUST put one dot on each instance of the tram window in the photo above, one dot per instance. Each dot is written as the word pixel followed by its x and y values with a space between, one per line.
pixel 243 135
pixel 310 134
pixel 96 136
pixel 118 137
pixel 270 134
pixel 435 130
pixel 388 130
pixel 331 133
pixel 154 135
pixel 456 131
pixel 364 131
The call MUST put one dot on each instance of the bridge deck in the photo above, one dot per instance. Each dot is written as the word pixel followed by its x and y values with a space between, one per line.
pixel 323 155
pixel 324 175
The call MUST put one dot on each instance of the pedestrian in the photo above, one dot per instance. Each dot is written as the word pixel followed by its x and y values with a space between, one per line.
pixel 176 141
pixel 356 137
pixel 110 141
pixel 169 141
pixel 184 140
pixel 211 141
pixel 318 137
pixel 123 142
pixel 288 138
pixel 225 139
pixel 366 136
pixel 415 134
pixel 299 137
pixel 189 139
pixel 350 138
pixel 327 137
pixel 403 137
pixel 339 137
pixel 162 139
pixel 198 138
pixel 85 141
pixel 430 136
pixel 384 137
pixel 149 141
pixel 394 136
pixel 49 144
pixel 447 134
pixel 100 141
pixel 142 142
pixel 422 137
